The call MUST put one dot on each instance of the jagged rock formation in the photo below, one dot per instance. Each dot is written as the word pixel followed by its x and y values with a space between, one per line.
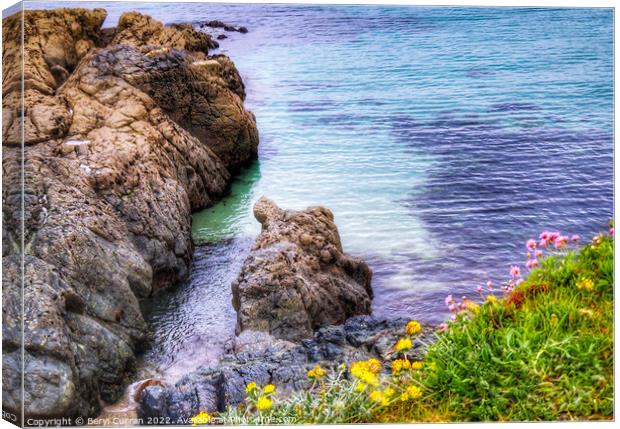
pixel 122 143
pixel 259 357
pixel 297 278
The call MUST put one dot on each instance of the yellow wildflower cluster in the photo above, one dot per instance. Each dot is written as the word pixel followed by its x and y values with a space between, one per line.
pixel 263 403
pixel 403 344
pixel 260 398
pixel 202 418
pixel 413 327
pixel 417 365
pixel 412 392
pixel 317 372
pixel 366 371
pixel 399 365
pixel 378 397
pixel 586 284
pixel 491 299
pixel 472 306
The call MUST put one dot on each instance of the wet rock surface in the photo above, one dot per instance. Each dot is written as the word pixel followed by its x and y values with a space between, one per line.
pixel 297 278
pixel 226 27
pixel 262 358
pixel 112 172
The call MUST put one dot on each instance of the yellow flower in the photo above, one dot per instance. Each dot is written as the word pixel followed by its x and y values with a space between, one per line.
pixel 403 344
pixel 388 392
pixel 417 364
pixel 400 364
pixel 317 372
pixel 270 388
pixel 202 418
pixel 491 298
pixel 376 396
pixel 472 306
pixel 414 392
pixel 250 387
pixel 370 378
pixel 374 365
pixel 263 403
pixel 413 327
pixel 404 397
pixel 360 387
pixel 363 370
pixel 586 284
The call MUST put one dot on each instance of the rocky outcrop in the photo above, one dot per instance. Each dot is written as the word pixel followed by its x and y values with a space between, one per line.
pixel 226 27
pixel 200 105
pixel 111 173
pixel 259 357
pixel 297 278
pixel 135 29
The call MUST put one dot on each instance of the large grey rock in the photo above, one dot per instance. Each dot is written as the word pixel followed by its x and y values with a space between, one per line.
pixel 297 278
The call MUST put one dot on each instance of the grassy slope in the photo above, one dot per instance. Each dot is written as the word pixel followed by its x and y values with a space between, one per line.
pixel 543 352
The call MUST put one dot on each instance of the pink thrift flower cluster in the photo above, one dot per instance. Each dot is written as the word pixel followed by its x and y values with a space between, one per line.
pixel 548 238
pixel 535 252
pixel 454 306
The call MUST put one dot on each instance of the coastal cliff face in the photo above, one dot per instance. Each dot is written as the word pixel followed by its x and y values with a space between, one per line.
pixel 297 277
pixel 125 135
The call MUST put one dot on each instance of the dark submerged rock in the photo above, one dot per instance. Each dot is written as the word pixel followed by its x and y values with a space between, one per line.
pixel 226 27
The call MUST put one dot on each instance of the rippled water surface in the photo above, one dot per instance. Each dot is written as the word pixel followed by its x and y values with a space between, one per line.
pixel 441 138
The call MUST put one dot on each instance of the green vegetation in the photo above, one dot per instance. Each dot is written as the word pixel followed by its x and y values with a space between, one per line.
pixel 542 352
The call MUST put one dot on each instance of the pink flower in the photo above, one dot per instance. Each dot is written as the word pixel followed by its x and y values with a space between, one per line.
pixel 575 238
pixel 544 242
pixel 553 235
pixel 452 308
pixel 544 235
pixel 538 253
pixel 532 263
pixel 442 327
pixel 449 300
pixel 515 271
pixel 518 282
pixel 531 244
pixel 611 232
pixel 560 241
pixel 479 289
pixel 490 284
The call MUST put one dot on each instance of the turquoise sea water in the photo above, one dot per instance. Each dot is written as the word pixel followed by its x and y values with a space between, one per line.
pixel 441 138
